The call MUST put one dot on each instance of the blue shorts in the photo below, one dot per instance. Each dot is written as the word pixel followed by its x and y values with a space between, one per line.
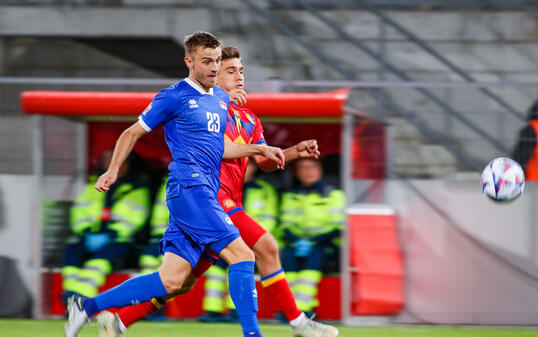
pixel 197 222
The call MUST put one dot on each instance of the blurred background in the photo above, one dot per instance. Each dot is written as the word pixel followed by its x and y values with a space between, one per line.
pixel 420 95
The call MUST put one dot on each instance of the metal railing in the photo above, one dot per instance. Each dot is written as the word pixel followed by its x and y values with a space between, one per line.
pixel 441 58
pixel 61 2
pixel 347 74
pixel 490 5
pixel 402 75
pixel 418 4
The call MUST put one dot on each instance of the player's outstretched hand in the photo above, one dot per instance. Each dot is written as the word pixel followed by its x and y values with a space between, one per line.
pixel 105 181
pixel 238 96
pixel 308 149
pixel 275 154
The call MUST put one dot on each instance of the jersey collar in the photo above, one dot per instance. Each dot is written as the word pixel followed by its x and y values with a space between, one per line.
pixel 198 88
pixel 232 108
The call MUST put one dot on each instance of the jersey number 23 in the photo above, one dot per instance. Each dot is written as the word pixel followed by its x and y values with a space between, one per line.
pixel 213 122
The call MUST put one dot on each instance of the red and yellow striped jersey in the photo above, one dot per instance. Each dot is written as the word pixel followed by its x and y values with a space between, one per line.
pixel 242 127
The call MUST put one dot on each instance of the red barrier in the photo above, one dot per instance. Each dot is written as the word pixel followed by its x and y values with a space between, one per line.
pixel 93 103
pixel 52 291
pixel 189 305
pixel 368 151
pixel 377 283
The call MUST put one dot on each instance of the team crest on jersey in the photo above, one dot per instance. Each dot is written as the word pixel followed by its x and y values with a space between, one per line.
pixel 148 108
pixel 229 203
pixel 251 119
pixel 229 221
pixel 193 104
pixel 223 105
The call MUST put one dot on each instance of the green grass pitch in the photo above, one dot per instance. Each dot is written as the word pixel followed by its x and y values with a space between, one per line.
pixel 50 328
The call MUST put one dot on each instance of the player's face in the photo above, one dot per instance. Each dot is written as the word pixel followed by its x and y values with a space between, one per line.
pixel 231 75
pixel 204 65
pixel 308 171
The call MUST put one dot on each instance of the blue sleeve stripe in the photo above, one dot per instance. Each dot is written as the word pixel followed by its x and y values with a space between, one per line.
pixel 261 141
pixel 235 210
pixel 281 270
pixel 143 124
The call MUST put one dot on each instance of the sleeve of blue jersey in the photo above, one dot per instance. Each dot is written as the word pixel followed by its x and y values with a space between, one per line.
pixel 223 94
pixel 158 111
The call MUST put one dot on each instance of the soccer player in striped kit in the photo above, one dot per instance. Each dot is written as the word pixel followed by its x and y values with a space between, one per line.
pixel 242 127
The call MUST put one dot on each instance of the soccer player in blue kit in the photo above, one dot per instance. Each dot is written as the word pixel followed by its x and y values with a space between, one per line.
pixel 193 113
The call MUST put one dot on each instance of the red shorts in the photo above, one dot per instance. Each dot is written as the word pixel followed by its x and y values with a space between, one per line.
pixel 250 231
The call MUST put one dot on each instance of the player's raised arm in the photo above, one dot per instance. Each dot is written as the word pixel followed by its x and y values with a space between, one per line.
pixel 305 149
pixel 274 154
pixel 122 149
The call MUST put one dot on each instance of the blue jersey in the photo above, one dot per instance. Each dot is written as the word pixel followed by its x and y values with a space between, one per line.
pixel 194 122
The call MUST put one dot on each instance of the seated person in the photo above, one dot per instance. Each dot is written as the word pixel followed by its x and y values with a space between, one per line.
pixel 103 226
pixel 311 218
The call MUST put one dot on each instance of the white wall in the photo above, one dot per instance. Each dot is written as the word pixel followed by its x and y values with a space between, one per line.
pixel 467 259
pixel 18 219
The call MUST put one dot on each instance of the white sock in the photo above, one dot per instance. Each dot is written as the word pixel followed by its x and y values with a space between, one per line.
pixel 123 328
pixel 295 322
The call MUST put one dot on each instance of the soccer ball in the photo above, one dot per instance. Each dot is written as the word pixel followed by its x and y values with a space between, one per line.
pixel 503 180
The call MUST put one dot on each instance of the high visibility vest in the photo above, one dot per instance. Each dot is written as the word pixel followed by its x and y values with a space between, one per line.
pixel 531 170
pixel 160 214
pixel 308 215
pixel 125 216
pixel 260 201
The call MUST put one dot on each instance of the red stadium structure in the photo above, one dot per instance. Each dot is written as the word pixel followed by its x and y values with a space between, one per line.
pixel 91 103
pixel 371 264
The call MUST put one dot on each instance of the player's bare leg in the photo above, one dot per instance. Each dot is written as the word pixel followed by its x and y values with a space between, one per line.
pixel 237 251
pixel 111 325
pixel 174 271
pixel 268 261
pixel 267 256
pixel 168 281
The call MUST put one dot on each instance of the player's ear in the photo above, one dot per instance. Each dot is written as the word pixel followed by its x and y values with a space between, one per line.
pixel 188 61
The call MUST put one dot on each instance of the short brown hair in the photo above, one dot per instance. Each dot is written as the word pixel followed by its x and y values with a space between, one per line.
pixel 197 39
pixel 230 52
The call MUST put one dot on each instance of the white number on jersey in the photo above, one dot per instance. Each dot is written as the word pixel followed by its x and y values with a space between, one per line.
pixel 213 122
